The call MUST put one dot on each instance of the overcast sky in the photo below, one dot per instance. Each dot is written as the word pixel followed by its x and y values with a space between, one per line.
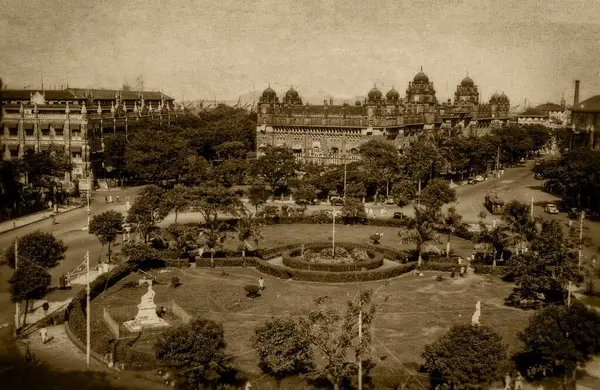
pixel 532 49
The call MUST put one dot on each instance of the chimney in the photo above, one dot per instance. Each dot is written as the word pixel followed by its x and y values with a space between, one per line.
pixel 576 101
pixel 330 101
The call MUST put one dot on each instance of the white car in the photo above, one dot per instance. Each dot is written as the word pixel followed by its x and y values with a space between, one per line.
pixel 479 178
pixel 551 209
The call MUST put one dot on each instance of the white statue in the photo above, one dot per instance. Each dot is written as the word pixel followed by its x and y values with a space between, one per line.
pixel 477 314
pixel 148 298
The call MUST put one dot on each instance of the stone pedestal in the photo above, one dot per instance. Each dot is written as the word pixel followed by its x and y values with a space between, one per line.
pixel 146 317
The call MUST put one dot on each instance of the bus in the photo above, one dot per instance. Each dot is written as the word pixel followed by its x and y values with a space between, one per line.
pixel 494 204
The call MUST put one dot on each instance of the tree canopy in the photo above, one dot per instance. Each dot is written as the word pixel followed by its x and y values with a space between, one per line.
pixel 466 355
pixel 277 167
pixel 37 247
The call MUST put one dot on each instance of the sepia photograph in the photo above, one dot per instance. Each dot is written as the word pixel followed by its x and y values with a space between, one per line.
pixel 298 195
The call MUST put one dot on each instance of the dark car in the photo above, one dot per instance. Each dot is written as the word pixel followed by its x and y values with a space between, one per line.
pixel 398 215
pixel 337 201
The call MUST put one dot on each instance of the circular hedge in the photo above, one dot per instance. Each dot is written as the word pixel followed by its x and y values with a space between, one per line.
pixel 292 260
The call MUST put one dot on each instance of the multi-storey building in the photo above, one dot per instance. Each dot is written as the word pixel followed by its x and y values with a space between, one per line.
pixel 332 134
pixel 585 121
pixel 76 119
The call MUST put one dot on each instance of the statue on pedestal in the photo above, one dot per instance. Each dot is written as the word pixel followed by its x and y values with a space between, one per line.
pixel 477 314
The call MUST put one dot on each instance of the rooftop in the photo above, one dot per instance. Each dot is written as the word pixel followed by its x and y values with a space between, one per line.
pixel 82 94
pixel 591 104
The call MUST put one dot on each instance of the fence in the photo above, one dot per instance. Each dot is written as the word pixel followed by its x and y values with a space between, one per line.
pixel 108 320
pixel 180 313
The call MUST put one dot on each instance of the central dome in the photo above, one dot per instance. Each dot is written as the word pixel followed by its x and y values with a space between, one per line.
pixel 421 78
pixel 467 82
pixel 291 93
pixel 375 94
pixel 269 93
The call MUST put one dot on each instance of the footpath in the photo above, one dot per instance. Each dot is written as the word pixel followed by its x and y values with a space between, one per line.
pixel 26 220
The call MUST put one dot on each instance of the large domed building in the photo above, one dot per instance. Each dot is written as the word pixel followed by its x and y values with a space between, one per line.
pixel 420 93
pixel 331 133
pixel 466 93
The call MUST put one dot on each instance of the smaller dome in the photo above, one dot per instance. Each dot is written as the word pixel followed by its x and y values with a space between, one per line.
pixel 375 94
pixel 392 94
pixel 494 98
pixel 503 97
pixel 269 93
pixel 291 93
pixel 467 82
pixel 421 78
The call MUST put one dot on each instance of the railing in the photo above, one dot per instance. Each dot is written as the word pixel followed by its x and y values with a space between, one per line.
pixel 179 312
pixel 112 324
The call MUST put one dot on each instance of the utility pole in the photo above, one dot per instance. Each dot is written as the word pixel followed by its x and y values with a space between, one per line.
pixel 581 237
pixel 532 207
pixel 498 161
pixel 333 234
pixel 88 312
pixel 569 294
pixel 17 314
pixel 360 347
pixel 345 166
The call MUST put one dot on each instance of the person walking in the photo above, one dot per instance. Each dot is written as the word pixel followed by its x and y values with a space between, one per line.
pixel 261 283
pixel 44 334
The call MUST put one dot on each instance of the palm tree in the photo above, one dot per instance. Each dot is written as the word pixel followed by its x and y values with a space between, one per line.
pixel 451 221
pixel 213 240
pixel 497 237
pixel 420 230
pixel 523 228
pixel 248 228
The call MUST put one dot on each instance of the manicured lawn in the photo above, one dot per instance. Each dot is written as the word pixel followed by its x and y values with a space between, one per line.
pixel 411 311
pixel 278 235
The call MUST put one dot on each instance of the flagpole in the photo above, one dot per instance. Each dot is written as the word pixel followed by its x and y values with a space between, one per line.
pixel 17 314
pixel 88 311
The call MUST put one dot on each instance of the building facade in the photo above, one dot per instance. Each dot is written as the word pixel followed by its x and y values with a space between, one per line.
pixel 332 134
pixel 76 119
pixel 585 121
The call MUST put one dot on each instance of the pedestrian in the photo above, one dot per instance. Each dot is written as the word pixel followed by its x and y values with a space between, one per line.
pixel 117 198
pixel 261 283
pixel 105 199
pixel 44 334
pixel 45 307
pixel 462 271
pixel 459 260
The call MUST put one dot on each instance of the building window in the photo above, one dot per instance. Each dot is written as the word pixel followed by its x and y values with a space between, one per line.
pixel 45 131
pixel 14 153
pixel 29 132
pixel 13 131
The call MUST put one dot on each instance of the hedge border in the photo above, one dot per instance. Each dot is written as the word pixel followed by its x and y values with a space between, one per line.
pixel 290 259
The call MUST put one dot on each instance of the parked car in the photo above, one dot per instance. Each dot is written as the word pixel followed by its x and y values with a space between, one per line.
pixel 538 176
pixel 479 178
pixel 471 180
pixel 398 215
pixel 337 201
pixel 551 208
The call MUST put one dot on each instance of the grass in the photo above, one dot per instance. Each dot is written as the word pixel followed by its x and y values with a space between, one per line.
pixel 278 235
pixel 411 311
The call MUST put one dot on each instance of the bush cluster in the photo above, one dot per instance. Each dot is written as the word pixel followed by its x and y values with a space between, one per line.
pixel 333 277
pixel 292 258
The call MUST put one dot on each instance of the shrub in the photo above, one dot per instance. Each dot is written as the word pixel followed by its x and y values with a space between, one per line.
pixel 293 259
pixel 175 282
pixel 252 290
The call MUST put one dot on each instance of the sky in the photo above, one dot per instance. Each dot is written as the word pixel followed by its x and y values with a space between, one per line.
pixel 222 49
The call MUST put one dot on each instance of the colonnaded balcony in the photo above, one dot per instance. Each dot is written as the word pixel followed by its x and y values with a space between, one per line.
pixel 330 159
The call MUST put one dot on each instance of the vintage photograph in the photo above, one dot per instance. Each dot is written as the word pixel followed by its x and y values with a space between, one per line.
pixel 332 194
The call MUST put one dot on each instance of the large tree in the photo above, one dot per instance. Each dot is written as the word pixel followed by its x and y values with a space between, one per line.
pixel 305 194
pixel 421 161
pixel 283 348
pixel 381 160
pixel 176 199
pixel 335 336
pixel 277 167
pixel 230 172
pixel 37 247
pixel 115 148
pixel 522 227
pixel 437 193
pixel 258 195
pixel 468 356
pixel 157 152
pixel 106 226
pixel 147 210
pixel 195 353
pixel 558 339
pixel 29 282
pixel 248 228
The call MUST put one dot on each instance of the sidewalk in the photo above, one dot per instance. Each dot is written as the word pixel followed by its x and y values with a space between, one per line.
pixel 16 223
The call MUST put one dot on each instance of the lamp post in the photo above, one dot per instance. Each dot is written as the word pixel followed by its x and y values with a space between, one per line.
pixel 333 234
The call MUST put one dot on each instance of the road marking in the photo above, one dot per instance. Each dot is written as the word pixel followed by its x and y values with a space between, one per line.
pixel 507 181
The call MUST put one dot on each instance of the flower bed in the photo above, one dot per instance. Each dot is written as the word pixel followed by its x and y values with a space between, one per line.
pixel 349 261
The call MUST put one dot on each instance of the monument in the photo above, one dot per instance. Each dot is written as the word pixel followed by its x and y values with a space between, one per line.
pixel 477 314
pixel 146 317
